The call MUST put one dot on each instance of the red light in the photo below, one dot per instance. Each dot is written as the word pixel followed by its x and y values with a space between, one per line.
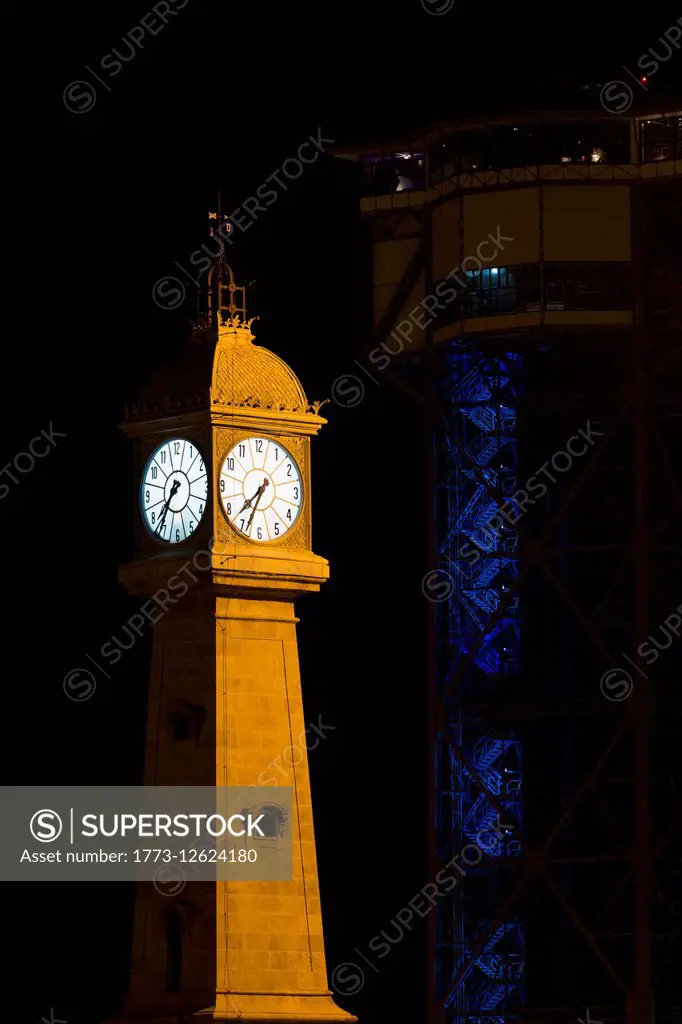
pixel 644 79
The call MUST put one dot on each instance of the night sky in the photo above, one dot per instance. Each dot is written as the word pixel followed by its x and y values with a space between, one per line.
pixel 103 205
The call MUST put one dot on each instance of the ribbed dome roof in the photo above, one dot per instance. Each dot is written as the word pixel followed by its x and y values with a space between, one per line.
pixel 231 371
pixel 248 374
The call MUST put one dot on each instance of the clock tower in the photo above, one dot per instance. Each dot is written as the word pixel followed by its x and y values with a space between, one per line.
pixel 224 546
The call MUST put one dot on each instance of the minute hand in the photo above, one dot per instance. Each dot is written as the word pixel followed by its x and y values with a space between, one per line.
pixel 164 511
pixel 255 504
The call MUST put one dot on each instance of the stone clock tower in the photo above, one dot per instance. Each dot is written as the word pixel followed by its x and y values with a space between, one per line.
pixel 224 547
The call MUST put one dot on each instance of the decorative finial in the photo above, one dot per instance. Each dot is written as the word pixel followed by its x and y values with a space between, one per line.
pixel 316 406
pixel 223 307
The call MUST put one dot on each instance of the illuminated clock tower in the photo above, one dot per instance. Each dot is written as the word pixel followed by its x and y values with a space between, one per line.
pixel 224 546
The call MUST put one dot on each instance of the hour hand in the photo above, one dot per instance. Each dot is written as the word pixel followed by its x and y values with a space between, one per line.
pixel 247 503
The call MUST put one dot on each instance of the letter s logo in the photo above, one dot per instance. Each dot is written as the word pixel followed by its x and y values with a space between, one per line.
pixel 46 826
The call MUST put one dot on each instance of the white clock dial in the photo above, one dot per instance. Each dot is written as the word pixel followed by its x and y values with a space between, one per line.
pixel 260 489
pixel 174 490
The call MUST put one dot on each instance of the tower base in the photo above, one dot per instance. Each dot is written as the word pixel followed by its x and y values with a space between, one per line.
pixel 284 1009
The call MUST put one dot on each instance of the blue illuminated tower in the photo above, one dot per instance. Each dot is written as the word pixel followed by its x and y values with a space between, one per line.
pixel 479 962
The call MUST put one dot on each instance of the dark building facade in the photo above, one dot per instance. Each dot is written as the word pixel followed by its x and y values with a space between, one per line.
pixel 529 268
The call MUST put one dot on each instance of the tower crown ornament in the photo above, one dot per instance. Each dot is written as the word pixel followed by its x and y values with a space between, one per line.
pixel 236 325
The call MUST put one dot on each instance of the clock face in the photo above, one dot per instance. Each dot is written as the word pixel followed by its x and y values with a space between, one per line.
pixel 260 489
pixel 174 490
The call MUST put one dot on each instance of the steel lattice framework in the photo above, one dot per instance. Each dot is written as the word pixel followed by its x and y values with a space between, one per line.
pixel 477 460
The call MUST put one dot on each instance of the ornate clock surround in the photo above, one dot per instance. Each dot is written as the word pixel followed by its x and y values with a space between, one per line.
pixel 224 438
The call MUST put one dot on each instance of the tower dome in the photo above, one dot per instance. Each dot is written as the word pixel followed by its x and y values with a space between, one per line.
pixel 245 374
pixel 223 366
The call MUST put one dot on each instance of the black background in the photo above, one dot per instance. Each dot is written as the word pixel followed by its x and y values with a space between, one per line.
pixel 100 207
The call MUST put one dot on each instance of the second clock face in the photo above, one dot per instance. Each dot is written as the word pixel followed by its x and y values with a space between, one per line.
pixel 174 490
pixel 260 489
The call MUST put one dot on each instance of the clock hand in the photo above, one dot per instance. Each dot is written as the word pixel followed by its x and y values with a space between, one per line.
pixel 174 488
pixel 258 498
pixel 162 517
pixel 247 503
pixel 253 512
